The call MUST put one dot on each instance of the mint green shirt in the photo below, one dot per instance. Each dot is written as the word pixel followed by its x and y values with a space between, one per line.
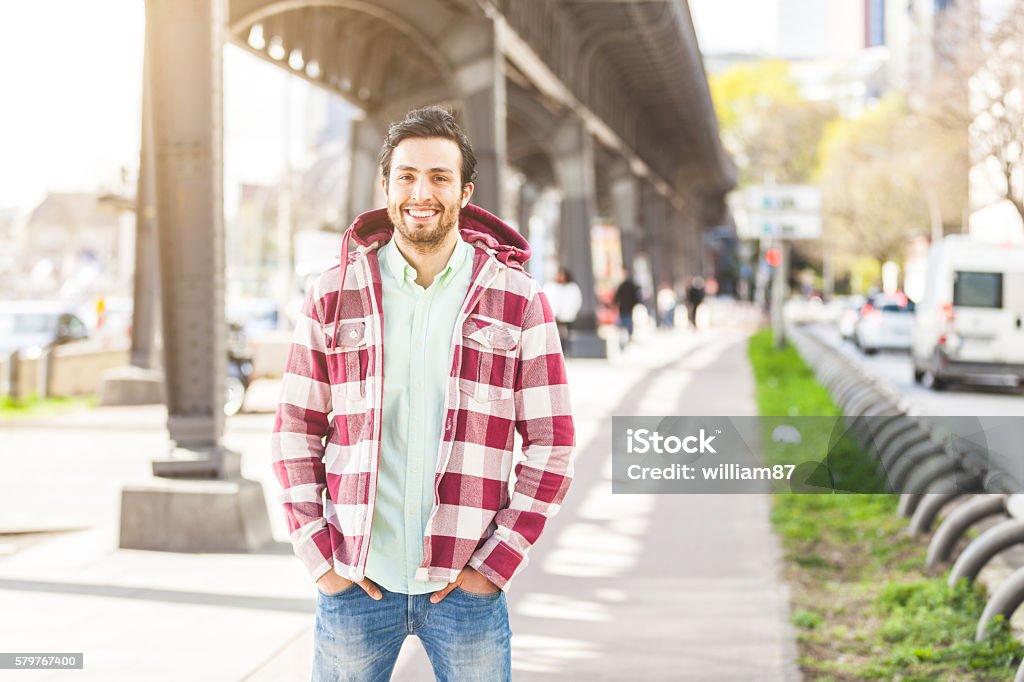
pixel 418 328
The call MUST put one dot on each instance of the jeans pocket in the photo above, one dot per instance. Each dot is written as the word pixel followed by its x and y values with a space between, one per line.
pixel 335 595
pixel 490 596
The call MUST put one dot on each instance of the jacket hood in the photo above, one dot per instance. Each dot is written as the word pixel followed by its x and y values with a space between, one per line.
pixel 476 226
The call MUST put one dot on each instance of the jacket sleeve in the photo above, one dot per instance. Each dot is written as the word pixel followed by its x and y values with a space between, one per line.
pixel 297 446
pixel 544 420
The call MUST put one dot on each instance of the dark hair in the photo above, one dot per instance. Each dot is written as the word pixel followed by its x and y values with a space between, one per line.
pixel 430 121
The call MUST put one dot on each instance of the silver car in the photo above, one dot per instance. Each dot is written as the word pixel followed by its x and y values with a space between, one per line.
pixel 38 324
pixel 885 323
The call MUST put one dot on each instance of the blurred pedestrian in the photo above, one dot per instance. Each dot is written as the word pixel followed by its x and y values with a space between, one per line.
pixel 627 296
pixel 566 300
pixel 694 297
pixel 471 354
pixel 667 302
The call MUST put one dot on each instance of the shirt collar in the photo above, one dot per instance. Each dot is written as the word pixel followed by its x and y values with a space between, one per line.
pixel 406 274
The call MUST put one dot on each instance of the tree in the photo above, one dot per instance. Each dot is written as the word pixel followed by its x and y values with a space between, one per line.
pixel 872 198
pixel 978 91
pixel 765 124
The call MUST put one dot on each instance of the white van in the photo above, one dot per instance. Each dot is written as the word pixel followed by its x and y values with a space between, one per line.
pixel 969 322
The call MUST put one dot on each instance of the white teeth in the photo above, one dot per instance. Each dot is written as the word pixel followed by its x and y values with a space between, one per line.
pixel 421 213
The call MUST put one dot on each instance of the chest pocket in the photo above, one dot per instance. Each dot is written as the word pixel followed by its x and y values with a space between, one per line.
pixel 489 356
pixel 348 358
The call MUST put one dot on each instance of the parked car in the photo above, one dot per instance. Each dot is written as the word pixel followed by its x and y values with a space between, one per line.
pixel 885 322
pixel 38 324
pixel 240 370
pixel 970 322
pixel 847 319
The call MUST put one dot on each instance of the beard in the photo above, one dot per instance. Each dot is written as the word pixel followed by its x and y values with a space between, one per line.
pixel 424 237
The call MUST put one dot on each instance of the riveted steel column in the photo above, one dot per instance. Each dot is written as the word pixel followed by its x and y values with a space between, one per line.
pixel 674 264
pixel 624 203
pixel 366 140
pixel 695 237
pixel 653 215
pixel 197 500
pixel 186 42
pixel 574 165
pixel 529 193
pixel 145 284
pixel 480 78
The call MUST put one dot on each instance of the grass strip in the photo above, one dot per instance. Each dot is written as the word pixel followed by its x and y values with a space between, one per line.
pixel 33 406
pixel 862 605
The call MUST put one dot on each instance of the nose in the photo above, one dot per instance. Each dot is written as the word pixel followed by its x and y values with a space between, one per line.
pixel 421 188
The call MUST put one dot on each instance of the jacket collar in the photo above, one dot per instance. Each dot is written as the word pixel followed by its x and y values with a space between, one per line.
pixel 476 226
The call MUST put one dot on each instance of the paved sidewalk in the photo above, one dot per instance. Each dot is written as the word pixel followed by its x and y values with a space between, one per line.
pixel 619 588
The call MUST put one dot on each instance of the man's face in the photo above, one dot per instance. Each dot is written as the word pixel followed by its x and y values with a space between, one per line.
pixel 424 190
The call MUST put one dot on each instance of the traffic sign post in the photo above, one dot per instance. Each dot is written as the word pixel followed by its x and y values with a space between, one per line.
pixel 777 214
pixel 779 293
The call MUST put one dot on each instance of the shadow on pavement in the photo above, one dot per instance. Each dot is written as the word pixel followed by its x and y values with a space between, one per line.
pixel 243 601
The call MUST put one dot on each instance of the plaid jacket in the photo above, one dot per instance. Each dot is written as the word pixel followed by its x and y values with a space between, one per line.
pixel 506 375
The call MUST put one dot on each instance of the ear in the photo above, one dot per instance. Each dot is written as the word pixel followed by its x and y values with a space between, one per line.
pixel 384 184
pixel 467 192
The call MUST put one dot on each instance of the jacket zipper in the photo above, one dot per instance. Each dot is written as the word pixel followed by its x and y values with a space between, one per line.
pixel 474 295
pixel 377 309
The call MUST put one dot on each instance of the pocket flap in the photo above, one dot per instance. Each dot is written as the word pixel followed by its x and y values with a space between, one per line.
pixel 490 334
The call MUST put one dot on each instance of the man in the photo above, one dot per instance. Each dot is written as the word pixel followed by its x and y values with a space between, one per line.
pixel 627 296
pixel 413 365
pixel 694 297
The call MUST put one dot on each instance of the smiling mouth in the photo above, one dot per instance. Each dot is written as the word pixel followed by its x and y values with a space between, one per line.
pixel 421 213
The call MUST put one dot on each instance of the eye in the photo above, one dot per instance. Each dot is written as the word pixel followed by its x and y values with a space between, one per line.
pixel 440 178
pixel 404 176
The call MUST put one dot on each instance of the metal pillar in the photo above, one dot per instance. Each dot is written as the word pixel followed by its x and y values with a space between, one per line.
pixel 481 81
pixel 574 163
pixel 529 193
pixel 197 500
pixel 695 235
pixel 779 295
pixel 186 42
pixel 653 218
pixel 146 285
pixel 363 171
pixel 674 239
pixel 141 382
pixel 624 202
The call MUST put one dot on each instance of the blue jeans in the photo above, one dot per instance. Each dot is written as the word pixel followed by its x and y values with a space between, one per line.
pixel 466 636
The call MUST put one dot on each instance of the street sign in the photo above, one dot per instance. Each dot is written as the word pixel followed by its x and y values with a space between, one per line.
pixel 801 198
pixel 777 212
pixel 785 224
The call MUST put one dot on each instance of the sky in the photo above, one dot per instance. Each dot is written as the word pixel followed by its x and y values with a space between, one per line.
pixel 71 82
pixel 70 78
pixel 720 29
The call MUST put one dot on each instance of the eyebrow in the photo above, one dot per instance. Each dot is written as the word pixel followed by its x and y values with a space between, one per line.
pixel 437 169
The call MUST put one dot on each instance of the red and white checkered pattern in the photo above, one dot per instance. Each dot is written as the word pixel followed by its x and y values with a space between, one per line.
pixel 507 374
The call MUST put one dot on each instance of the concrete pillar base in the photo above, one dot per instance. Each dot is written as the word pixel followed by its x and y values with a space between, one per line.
pixel 200 463
pixel 175 515
pixel 584 343
pixel 132 386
